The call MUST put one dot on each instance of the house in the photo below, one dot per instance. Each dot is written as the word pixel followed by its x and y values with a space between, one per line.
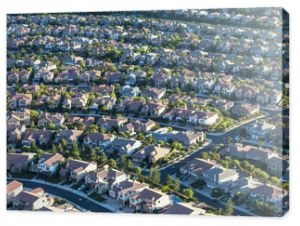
pixel 37 136
pixel 187 138
pixel 275 96
pixel 49 163
pixel 102 103
pixel 31 89
pixel 46 119
pixel 242 110
pixel 261 130
pixel 92 75
pixel 224 86
pixel 161 134
pixel 18 118
pixel 160 79
pixel 196 167
pixel 143 126
pixel 243 186
pixel 125 189
pixel 72 60
pixel 14 134
pixel 99 139
pixel 111 123
pixel 128 91
pixel 113 77
pixel 185 209
pixel 18 162
pixel 15 77
pixel 80 100
pixel 104 90
pixel 205 85
pixel 67 103
pixel 150 201
pixel 203 118
pixel 268 193
pixel 130 79
pixel 125 146
pixel 241 151
pixel 150 154
pixel 43 76
pixel 223 104
pixel 127 128
pixel 177 114
pixel 70 136
pixel 31 200
pixel 77 122
pixel 130 106
pixel 50 101
pixel 154 93
pixel 153 110
pixel 79 169
pixel 276 165
pixel 104 179
pixel 12 190
pixel 220 177
pixel 20 100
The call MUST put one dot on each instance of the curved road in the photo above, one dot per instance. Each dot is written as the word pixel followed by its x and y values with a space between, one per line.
pixel 68 195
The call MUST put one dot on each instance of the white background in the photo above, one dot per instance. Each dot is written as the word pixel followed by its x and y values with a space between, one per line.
pixel 44 219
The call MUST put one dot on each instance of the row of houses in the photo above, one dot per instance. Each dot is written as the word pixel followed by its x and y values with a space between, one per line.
pixel 20 198
pixel 275 164
pixel 112 182
pixel 230 181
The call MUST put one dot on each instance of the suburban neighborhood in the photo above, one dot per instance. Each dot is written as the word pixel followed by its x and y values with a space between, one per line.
pixel 165 112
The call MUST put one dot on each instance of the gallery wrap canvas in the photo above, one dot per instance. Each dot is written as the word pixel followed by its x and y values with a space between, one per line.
pixel 161 112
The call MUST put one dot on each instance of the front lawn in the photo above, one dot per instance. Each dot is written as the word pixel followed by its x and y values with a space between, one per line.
pixel 54 179
pixel 96 196
pixel 25 175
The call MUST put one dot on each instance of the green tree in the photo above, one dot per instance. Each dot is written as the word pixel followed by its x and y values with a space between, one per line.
pixel 75 151
pixel 129 164
pixel 39 152
pixel 122 162
pixel 140 136
pixel 176 184
pixel 204 155
pixel 92 128
pixel 92 154
pixel 169 181
pixel 34 115
pixel 137 171
pixel 102 158
pixel 33 147
pixel 112 163
pixel 53 149
pixel 64 143
pixel 188 192
pixel 154 176
pixel 165 188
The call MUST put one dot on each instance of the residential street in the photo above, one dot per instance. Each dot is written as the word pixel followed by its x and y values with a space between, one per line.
pixel 72 197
